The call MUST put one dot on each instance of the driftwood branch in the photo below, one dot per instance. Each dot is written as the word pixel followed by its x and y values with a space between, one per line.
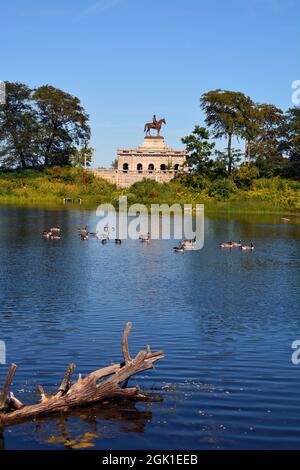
pixel 4 400
pixel 41 391
pixel 17 404
pixel 66 382
pixel 104 383
pixel 125 349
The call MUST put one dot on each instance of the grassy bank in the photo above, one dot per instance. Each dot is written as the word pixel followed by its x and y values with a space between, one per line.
pixel 48 188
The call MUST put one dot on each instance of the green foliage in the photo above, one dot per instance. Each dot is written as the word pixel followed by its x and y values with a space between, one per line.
pixel 52 185
pixel 199 150
pixel 41 127
pixel 194 181
pixel 222 158
pixel 114 164
pixel 244 176
pixel 270 135
pixel 18 128
pixel 149 191
pixel 266 145
pixel 272 184
pixel 82 157
pixel 63 124
pixel 225 113
pixel 221 189
pixel 292 133
pixel 48 187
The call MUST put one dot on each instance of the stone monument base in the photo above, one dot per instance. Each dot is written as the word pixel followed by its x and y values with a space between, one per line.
pixel 153 160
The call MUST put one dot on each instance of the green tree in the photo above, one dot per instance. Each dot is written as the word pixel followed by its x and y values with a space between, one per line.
pixel 222 158
pixel 199 150
pixel 18 128
pixel 114 164
pixel 291 143
pixel 271 122
pixel 82 157
pixel 250 127
pixel 225 113
pixel 244 175
pixel 221 188
pixel 63 125
pixel 291 139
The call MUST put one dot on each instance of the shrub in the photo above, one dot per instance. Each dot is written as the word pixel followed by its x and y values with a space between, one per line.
pixel 221 189
pixel 244 175
pixel 195 181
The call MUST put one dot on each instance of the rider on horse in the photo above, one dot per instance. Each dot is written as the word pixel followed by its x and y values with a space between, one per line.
pixel 155 124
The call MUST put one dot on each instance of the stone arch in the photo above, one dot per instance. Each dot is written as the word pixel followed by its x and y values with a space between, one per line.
pixel 139 167
pixel 125 167
pixel 163 167
pixel 150 167
pixel 176 167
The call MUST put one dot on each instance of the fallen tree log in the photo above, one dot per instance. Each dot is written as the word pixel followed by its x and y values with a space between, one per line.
pixel 109 382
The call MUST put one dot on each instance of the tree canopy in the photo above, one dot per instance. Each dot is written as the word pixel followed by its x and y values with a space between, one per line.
pixel 271 137
pixel 41 127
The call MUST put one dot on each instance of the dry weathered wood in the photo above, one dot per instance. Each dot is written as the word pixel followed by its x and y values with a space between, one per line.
pixel 42 393
pixel 88 390
pixel 66 382
pixel 5 389
pixel 125 350
pixel 17 404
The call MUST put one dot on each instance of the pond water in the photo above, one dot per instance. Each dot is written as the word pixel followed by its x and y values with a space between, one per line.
pixel 225 319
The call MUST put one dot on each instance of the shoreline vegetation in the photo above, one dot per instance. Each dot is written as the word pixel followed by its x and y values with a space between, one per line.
pixel 44 146
pixel 47 188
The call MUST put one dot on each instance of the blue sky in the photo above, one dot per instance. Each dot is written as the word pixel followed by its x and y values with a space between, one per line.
pixel 129 59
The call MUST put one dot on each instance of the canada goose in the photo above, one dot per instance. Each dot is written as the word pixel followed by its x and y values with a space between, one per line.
pixel 179 249
pixel 248 247
pixel 226 245
pixel 188 244
pixel 237 244
pixel 83 230
pixel 145 238
pixel 46 234
pixel 107 228
pixel 118 241
pixel 84 236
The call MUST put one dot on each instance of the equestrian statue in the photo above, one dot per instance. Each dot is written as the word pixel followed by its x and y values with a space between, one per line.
pixel 154 125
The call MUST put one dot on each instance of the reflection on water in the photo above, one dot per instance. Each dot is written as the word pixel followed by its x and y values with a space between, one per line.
pixel 225 319
pixel 82 428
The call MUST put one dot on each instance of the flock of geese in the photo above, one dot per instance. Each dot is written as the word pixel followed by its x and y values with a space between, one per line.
pixel 239 244
pixel 185 245
pixel 104 237
pixel 54 233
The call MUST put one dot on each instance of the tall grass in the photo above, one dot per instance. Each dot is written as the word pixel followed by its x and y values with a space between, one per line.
pixel 51 186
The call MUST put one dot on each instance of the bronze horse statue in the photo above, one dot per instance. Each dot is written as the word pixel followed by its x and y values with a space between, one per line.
pixel 153 125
